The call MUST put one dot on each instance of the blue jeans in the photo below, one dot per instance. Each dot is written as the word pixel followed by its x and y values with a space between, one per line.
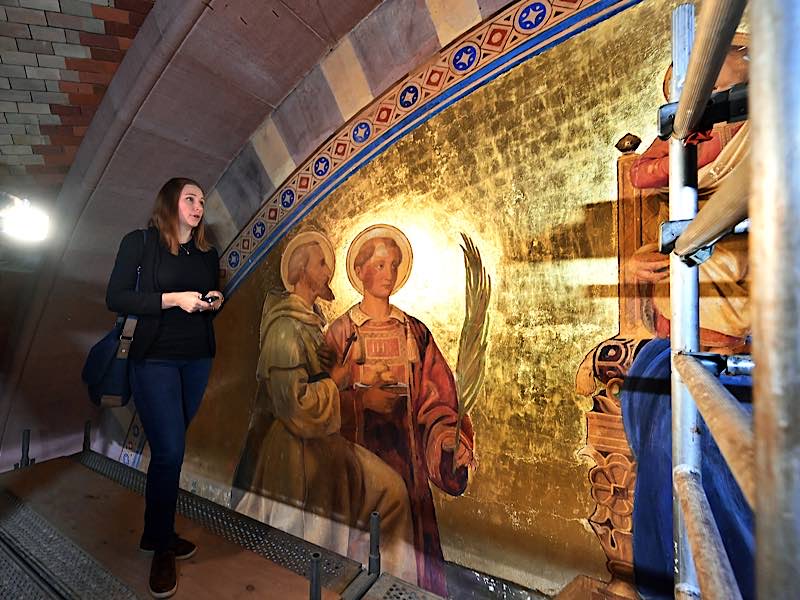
pixel 167 394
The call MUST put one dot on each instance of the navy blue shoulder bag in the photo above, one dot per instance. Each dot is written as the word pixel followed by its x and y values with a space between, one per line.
pixel 105 371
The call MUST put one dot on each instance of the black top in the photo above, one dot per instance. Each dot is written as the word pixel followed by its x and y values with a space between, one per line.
pixel 170 333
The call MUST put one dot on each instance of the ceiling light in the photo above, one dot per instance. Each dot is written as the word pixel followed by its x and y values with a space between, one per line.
pixel 24 222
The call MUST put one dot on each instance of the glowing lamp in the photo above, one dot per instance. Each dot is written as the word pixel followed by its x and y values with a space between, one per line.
pixel 24 222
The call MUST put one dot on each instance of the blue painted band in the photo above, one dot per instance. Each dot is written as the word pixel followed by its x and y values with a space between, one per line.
pixel 414 119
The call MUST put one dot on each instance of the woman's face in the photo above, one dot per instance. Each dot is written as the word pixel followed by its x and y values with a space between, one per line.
pixel 191 205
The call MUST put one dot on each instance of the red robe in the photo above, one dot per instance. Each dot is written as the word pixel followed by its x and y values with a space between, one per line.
pixel 651 169
pixel 406 439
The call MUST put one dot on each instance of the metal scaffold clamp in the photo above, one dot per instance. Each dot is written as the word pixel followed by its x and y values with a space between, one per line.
pixel 728 106
pixel 670 231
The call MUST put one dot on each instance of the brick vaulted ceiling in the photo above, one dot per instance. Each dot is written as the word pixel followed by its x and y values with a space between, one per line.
pixel 57 58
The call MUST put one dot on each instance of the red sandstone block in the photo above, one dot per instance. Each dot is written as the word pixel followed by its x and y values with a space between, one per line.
pixel 75 88
pixel 114 15
pixel 99 40
pixel 65 140
pixel 58 159
pixel 124 43
pixel 121 29
pixel 106 54
pixel 104 78
pixel 85 99
pixel 137 19
pixel 139 6
pixel 75 120
pixel 58 109
pixel 84 65
pixel 80 131
pixel 88 110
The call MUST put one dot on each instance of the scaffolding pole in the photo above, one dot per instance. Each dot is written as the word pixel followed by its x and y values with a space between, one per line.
pixel 714 571
pixel 718 21
pixel 727 421
pixel 684 289
pixel 723 211
pixel 775 262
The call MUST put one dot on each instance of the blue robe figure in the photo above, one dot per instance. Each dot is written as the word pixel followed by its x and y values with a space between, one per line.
pixel 647 415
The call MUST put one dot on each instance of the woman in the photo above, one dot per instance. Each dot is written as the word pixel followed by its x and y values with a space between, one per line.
pixel 168 276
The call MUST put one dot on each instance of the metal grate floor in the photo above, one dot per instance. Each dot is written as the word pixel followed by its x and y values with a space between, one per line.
pixel 273 544
pixel 37 561
pixel 17 581
pixel 389 587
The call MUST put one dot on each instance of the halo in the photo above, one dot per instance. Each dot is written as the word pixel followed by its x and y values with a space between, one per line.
pixel 305 237
pixel 381 231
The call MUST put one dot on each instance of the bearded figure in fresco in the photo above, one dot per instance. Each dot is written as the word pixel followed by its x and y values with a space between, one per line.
pixel 307 479
pixel 403 402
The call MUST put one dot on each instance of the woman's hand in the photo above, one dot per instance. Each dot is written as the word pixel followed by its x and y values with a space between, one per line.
pixel 217 304
pixel 187 301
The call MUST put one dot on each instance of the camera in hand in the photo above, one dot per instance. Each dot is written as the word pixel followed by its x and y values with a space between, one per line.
pixel 210 299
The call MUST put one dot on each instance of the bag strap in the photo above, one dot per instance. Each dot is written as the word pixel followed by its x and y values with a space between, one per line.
pixel 126 337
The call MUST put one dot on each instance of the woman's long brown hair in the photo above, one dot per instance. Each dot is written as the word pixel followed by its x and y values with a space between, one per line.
pixel 165 216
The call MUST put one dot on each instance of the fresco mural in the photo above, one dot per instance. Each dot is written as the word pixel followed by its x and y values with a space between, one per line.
pixel 363 420
pixel 525 167
pixel 301 475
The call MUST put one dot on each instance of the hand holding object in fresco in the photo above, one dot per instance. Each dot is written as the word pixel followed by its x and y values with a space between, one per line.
pixel 340 373
pixel 648 264
pixel 463 455
pixel 381 398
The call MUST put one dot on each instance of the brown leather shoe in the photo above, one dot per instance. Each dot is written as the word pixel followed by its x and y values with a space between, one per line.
pixel 182 548
pixel 163 578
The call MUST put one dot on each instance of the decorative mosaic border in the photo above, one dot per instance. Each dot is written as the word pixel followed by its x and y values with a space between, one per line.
pixel 518 33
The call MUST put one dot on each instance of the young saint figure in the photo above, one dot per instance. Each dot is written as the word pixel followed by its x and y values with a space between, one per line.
pixel 401 402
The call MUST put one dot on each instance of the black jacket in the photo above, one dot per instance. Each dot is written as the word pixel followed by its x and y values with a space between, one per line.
pixel 122 297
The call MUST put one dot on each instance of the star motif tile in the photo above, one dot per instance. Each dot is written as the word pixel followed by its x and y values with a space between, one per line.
pixel 531 17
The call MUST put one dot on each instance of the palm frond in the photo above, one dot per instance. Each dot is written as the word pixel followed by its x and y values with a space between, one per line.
pixel 470 368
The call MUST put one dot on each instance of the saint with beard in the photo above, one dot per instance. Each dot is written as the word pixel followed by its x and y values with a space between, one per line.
pixel 297 473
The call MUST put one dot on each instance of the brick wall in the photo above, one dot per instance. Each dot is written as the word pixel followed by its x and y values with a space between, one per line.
pixel 57 58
